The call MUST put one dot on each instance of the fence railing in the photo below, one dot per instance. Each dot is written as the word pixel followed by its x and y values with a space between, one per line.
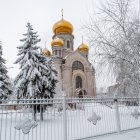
pixel 66 119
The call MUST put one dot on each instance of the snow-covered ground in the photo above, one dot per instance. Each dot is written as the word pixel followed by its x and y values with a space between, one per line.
pixel 51 128
pixel 128 135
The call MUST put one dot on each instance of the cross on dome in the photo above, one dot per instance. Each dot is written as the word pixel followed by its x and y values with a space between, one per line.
pixel 82 39
pixel 62 26
pixel 62 12
pixel 45 44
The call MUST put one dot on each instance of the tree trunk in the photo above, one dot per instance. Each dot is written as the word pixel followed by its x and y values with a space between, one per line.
pixel 34 112
pixel 41 113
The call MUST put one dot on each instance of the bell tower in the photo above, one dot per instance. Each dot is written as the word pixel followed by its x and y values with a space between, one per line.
pixel 63 30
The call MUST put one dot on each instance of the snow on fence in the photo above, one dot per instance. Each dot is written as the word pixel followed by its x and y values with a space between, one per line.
pixel 66 119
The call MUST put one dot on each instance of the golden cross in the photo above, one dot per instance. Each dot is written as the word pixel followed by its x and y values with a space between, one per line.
pixel 62 12
pixel 45 44
pixel 82 39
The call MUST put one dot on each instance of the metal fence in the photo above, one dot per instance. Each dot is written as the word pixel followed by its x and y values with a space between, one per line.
pixel 66 119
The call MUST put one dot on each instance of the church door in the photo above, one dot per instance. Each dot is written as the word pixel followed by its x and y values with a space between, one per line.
pixel 78 82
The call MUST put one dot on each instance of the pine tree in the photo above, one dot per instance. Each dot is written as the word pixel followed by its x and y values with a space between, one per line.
pixel 36 78
pixel 4 79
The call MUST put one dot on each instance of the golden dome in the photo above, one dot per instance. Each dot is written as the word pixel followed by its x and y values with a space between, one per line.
pixel 57 42
pixel 46 52
pixel 83 48
pixel 62 26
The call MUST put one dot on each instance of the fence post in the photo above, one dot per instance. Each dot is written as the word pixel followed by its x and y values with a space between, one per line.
pixel 64 118
pixel 117 115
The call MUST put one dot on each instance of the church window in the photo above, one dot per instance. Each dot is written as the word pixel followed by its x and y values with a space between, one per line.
pixel 68 44
pixel 55 52
pixel 77 65
pixel 59 52
pixel 78 82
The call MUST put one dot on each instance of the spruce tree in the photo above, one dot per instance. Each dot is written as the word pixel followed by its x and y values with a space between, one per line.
pixel 37 79
pixel 49 76
pixel 5 89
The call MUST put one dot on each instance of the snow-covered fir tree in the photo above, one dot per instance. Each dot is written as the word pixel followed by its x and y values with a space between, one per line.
pixel 37 78
pixel 5 89
pixel 49 82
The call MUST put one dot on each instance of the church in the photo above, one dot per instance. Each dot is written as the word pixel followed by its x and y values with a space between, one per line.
pixel 75 72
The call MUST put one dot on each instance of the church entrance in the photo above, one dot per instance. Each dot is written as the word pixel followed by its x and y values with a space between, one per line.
pixel 78 91
pixel 78 82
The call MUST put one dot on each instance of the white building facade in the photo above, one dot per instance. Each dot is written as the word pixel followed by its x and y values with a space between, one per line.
pixel 74 69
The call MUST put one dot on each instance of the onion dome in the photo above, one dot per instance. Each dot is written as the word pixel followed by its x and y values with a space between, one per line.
pixel 57 42
pixel 62 26
pixel 83 48
pixel 46 52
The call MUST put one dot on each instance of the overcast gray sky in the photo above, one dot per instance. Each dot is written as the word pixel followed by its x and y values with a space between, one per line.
pixel 42 14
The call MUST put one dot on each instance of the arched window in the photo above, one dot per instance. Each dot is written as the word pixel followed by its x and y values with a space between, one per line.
pixel 78 82
pixel 60 53
pixel 55 52
pixel 77 65
pixel 68 44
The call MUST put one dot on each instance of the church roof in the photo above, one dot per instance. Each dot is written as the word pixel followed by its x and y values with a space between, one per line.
pixel 62 26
